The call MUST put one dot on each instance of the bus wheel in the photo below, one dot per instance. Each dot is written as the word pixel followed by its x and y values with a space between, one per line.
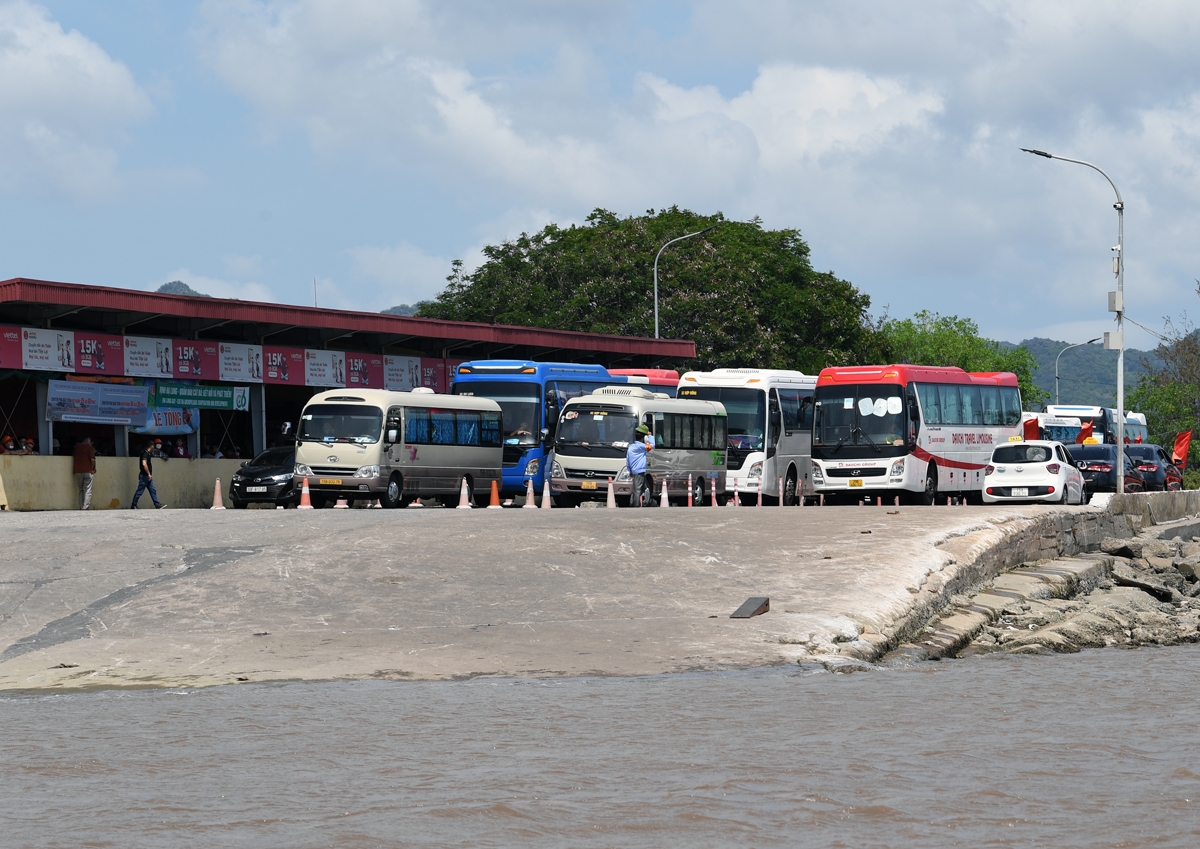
pixel 931 487
pixel 698 493
pixel 789 489
pixel 393 493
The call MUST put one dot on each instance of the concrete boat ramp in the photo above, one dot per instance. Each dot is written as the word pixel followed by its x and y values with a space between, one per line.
pixel 191 598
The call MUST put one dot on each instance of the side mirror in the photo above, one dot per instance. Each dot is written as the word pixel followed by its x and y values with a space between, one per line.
pixel 393 436
pixel 285 428
pixel 244 462
pixel 545 434
pixel 913 413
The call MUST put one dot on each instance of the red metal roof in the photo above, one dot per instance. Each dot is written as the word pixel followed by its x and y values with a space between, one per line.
pixel 74 294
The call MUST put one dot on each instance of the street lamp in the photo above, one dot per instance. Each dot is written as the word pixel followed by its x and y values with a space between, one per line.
pixel 657 255
pixel 1060 353
pixel 1116 303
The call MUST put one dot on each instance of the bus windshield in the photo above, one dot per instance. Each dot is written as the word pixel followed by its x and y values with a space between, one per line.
pixel 520 402
pixel 594 431
pixel 746 408
pixel 340 423
pixel 869 415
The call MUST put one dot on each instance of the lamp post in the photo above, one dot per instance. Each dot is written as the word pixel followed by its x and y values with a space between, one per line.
pixel 1116 303
pixel 1056 359
pixel 656 256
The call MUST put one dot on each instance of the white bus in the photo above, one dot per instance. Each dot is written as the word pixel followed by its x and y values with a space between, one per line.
pixel 594 432
pixel 1104 422
pixel 770 426
pixel 398 446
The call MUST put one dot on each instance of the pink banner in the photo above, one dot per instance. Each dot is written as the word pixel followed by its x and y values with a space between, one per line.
pixel 10 347
pixel 99 353
pixel 195 360
pixel 433 374
pixel 364 370
pixel 283 365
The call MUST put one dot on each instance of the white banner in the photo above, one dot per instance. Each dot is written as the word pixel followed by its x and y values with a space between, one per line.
pixel 48 350
pixel 400 374
pixel 146 357
pixel 241 362
pixel 324 368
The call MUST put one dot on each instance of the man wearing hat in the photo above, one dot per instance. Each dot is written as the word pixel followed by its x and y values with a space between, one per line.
pixel 635 462
pixel 8 445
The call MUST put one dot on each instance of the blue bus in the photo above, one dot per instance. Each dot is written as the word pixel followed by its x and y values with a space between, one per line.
pixel 531 396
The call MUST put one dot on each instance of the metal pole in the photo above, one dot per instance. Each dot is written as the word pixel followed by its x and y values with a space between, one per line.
pixel 1119 206
pixel 656 256
pixel 1059 357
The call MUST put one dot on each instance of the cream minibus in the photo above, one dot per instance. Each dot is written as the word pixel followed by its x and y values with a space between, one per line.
pixel 397 446
pixel 594 432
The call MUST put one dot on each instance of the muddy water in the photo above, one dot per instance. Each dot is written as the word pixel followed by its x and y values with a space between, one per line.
pixel 1099 749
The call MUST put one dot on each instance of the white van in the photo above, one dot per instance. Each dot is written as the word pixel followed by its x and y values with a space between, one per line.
pixel 397 446
pixel 594 432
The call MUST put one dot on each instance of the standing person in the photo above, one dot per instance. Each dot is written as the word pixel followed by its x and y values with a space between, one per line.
pixel 180 449
pixel 85 470
pixel 146 477
pixel 635 461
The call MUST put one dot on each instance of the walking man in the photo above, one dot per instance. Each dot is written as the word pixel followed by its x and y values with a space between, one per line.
pixel 635 462
pixel 85 470
pixel 146 477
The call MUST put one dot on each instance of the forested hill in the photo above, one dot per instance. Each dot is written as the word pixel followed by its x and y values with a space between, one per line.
pixel 1087 375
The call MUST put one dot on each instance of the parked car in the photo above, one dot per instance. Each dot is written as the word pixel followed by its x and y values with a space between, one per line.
pixel 1152 461
pixel 1099 463
pixel 1037 470
pixel 266 478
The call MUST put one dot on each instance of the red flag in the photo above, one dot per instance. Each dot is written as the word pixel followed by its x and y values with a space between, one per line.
pixel 1085 432
pixel 1031 429
pixel 1179 455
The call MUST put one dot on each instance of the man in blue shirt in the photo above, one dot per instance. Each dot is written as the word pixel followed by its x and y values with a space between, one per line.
pixel 635 461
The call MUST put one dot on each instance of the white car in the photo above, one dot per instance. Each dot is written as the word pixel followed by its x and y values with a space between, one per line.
pixel 1037 470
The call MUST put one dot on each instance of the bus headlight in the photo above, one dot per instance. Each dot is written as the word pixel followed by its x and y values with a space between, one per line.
pixel 556 470
pixel 817 475
pixel 531 468
pixel 302 471
pixel 367 472
pixel 897 468
pixel 756 470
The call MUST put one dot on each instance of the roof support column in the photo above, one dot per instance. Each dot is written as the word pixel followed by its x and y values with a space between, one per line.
pixel 258 417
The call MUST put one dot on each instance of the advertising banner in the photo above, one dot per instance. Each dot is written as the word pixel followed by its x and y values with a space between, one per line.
pixel 99 403
pixel 10 348
pixel 99 353
pixel 433 374
pixel 170 421
pixel 283 365
pixel 147 357
pixel 452 372
pixel 401 374
pixel 364 371
pixel 206 397
pixel 196 360
pixel 324 368
pixel 48 350
pixel 241 362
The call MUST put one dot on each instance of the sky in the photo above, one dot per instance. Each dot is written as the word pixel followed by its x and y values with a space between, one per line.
pixel 252 147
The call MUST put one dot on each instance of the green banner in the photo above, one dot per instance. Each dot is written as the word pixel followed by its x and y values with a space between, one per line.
pixel 204 397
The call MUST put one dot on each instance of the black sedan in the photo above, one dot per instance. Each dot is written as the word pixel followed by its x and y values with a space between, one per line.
pixel 266 478
pixel 1153 462
pixel 1099 466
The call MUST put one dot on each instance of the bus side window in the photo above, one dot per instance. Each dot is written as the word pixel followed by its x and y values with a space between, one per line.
pixel 1010 398
pixel 773 416
pixel 552 410
pixel 930 403
pixel 990 401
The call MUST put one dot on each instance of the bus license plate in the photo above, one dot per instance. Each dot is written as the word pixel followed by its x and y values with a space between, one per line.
pixel 855 482
pixel 587 485
pixel 331 481
pixel 256 489
pixel 1020 492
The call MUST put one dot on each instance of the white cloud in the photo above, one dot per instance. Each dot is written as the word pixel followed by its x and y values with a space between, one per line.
pixel 64 103
pixel 242 266
pixel 401 274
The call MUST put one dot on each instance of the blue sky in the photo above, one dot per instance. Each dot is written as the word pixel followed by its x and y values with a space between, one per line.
pixel 249 147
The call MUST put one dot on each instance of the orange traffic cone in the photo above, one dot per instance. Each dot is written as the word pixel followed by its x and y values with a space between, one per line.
pixel 732 502
pixel 712 491
pixel 530 504
pixel 760 484
pixel 494 502
pixel 612 495
pixel 546 505
pixel 305 498
pixel 664 502
pixel 464 500
pixel 217 503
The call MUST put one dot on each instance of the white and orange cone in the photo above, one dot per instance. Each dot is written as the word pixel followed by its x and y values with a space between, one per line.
pixel 305 498
pixel 464 499
pixel 218 504
pixel 529 504
pixel 612 495
pixel 546 500
pixel 690 491
pixel 664 502
pixel 780 491
pixel 494 501
pixel 342 504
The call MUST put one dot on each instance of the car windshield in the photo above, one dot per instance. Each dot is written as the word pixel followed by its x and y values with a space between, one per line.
pixel 520 403
pixel 581 426
pixel 283 456
pixel 868 414
pixel 340 423
pixel 1142 452
pixel 746 408
pixel 1023 454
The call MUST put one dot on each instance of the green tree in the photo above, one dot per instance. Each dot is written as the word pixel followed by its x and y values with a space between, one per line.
pixel 1169 394
pixel 930 339
pixel 746 295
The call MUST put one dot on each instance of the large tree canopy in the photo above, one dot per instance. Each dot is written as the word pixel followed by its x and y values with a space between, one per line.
pixel 930 339
pixel 747 296
pixel 1169 394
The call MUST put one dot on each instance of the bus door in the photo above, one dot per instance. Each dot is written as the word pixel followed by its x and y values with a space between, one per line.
pixel 774 427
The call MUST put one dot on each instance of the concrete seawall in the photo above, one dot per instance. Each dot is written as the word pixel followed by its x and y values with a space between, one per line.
pixel 195 598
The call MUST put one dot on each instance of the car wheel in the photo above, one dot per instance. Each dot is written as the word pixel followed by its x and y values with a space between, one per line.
pixel 698 492
pixel 394 493
pixel 237 505
pixel 931 485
